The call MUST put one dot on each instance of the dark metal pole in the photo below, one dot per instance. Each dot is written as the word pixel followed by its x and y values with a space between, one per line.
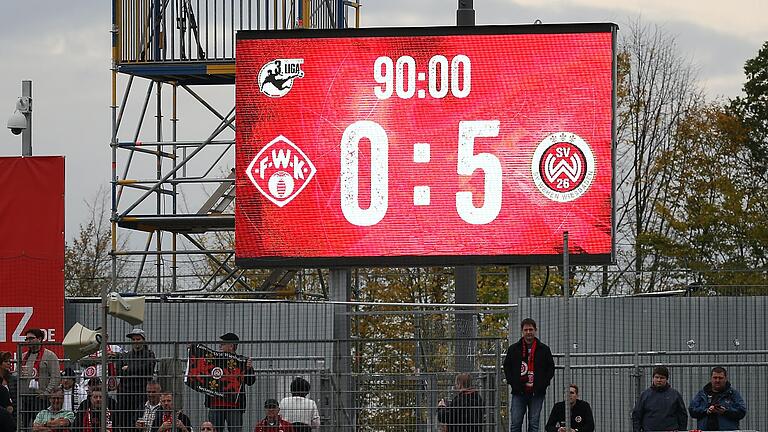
pixel 566 295
pixel 465 277
pixel 465 15
pixel 26 134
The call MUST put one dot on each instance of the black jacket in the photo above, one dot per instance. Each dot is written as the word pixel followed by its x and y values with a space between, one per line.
pixel 581 417
pixel 544 368
pixel 464 413
pixel 141 367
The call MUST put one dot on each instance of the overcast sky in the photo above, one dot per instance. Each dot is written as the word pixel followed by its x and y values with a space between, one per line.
pixel 64 48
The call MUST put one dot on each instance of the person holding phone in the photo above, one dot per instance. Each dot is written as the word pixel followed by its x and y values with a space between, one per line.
pixel 718 406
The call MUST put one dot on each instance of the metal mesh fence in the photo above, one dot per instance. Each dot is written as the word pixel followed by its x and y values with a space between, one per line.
pixel 390 386
pixel 374 382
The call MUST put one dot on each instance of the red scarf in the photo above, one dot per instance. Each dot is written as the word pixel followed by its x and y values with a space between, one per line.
pixel 36 365
pixel 527 368
pixel 90 423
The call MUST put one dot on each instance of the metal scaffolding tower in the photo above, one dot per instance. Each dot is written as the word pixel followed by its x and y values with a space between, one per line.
pixel 173 122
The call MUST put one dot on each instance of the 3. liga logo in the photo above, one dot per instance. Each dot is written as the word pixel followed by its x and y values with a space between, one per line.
pixel 563 166
pixel 280 171
pixel 276 77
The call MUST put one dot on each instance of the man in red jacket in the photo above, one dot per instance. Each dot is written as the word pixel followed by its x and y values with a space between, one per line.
pixel 273 422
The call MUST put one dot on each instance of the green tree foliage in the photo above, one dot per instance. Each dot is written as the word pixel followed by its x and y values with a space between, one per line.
pixel 718 223
pixel 752 109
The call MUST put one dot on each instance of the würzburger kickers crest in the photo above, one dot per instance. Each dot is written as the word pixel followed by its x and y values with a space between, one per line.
pixel 276 77
pixel 280 171
pixel 563 166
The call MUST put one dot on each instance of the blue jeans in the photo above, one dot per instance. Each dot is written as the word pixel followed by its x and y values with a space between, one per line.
pixel 232 417
pixel 521 404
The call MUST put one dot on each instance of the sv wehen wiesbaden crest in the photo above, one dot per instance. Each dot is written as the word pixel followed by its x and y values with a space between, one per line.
pixel 280 171
pixel 276 77
pixel 563 166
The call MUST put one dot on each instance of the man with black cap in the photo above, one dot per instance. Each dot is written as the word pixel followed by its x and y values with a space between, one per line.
pixel 136 368
pixel 272 422
pixel 72 394
pixel 229 410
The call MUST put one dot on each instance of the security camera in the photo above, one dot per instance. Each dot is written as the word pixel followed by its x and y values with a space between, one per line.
pixel 17 122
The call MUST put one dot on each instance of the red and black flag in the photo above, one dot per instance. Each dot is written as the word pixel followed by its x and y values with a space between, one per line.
pixel 215 373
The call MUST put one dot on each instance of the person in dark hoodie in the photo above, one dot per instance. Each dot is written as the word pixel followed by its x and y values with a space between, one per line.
pixel 718 406
pixel 581 414
pixel 660 407
pixel 529 369
pixel 464 413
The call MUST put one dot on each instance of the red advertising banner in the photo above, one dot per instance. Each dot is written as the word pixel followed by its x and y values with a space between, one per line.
pixel 425 146
pixel 32 248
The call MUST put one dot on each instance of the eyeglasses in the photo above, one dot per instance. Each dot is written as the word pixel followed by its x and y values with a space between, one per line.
pixel 572 392
pixel 30 338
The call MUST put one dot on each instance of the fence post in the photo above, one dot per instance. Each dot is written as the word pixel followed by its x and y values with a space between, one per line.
pixel 176 392
pixel 500 386
pixel 637 375
pixel 19 403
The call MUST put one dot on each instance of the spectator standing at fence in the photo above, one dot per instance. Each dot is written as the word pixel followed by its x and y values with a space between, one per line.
pixel 225 411
pixel 135 369
pixel 300 410
pixel 581 414
pixel 168 417
pixel 39 374
pixel 72 393
pixel 8 380
pixel 464 413
pixel 55 417
pixel 272 422
pixel 660 407
pixel 151 406
pixel 718 406
pixel 529 369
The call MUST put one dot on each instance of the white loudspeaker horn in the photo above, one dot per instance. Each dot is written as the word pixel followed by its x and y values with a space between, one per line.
pixel 81 341
pixel 129 309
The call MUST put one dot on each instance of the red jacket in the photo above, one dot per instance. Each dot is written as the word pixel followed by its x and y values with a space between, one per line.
pixel 281 426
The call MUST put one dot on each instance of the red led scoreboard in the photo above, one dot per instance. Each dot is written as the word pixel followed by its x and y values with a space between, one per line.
pixel 425 146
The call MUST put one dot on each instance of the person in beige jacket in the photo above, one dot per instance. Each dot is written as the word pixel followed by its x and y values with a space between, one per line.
pixel 39 374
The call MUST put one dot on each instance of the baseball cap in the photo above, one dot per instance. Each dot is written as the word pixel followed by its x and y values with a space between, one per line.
pixel 137 332
pixel 230 337
pixel 271 403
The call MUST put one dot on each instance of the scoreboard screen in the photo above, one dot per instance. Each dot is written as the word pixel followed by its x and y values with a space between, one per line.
pixel 425 146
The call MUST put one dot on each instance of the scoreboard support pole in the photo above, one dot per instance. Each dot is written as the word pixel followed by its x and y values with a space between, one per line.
pixel 340 290
pixel 465 277
pixel 519 285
